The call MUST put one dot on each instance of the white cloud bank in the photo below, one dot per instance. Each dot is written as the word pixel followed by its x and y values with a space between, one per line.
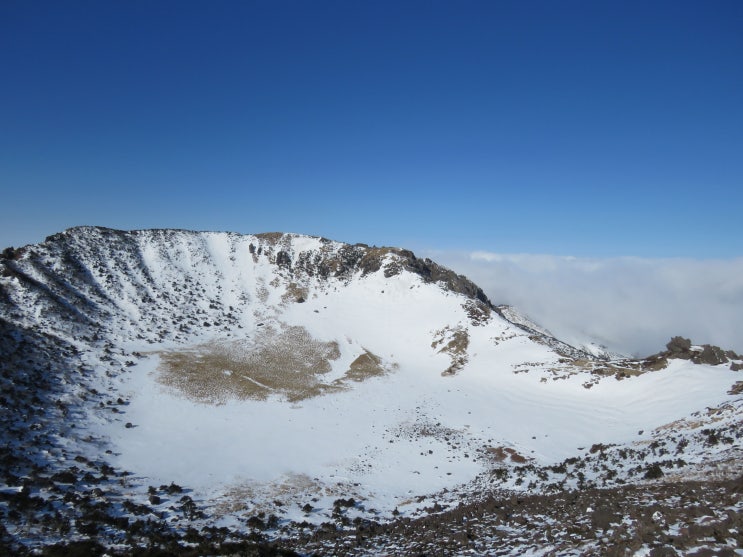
pixel 631 305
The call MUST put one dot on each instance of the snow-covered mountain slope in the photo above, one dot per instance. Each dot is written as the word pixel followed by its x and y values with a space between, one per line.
pixel 278 374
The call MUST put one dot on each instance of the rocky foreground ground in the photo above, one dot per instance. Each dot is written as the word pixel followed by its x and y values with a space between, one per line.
pixel 693 518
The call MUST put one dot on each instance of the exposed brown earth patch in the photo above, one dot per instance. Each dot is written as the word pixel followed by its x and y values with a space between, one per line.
pixel 365 366
pixel 454 342
pixel 501 454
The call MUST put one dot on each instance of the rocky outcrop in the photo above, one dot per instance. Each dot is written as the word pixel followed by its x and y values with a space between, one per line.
pixel 682 349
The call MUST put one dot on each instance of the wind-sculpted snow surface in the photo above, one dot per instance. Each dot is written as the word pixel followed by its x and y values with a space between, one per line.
pixel 276 385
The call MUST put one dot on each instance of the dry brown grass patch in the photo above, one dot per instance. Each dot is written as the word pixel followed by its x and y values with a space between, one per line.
pixel 287 362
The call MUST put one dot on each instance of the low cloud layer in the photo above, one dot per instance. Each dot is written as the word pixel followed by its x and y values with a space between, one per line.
pixel 631 305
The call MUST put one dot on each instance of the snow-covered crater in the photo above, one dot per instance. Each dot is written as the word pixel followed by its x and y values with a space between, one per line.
pixel 278 373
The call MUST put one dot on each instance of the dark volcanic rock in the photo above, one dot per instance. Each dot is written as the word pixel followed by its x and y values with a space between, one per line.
pixel 681 348
pixel 711 355
pixel 678 347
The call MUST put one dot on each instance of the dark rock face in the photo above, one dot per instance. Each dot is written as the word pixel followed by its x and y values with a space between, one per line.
pixel 11 253
pixel 283 259
pixel 350 259
pixel 654 472
pixel 681 348
pixel 432 272
pixel 712 355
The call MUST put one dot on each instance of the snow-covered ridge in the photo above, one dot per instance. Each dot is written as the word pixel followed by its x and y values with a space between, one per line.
pixel 109 278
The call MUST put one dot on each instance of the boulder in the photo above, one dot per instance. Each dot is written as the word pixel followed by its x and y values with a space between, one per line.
pixel 712 355
pixel 679 347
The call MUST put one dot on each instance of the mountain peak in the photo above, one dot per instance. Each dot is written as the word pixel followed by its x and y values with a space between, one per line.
pixel 339 259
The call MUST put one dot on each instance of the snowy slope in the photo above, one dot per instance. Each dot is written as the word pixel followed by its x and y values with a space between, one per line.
pixel 269 372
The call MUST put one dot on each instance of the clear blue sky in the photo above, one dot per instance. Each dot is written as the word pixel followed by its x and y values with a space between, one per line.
pixel 575 128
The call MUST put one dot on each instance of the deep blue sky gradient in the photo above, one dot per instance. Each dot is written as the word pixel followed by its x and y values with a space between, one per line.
pixel 572 128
